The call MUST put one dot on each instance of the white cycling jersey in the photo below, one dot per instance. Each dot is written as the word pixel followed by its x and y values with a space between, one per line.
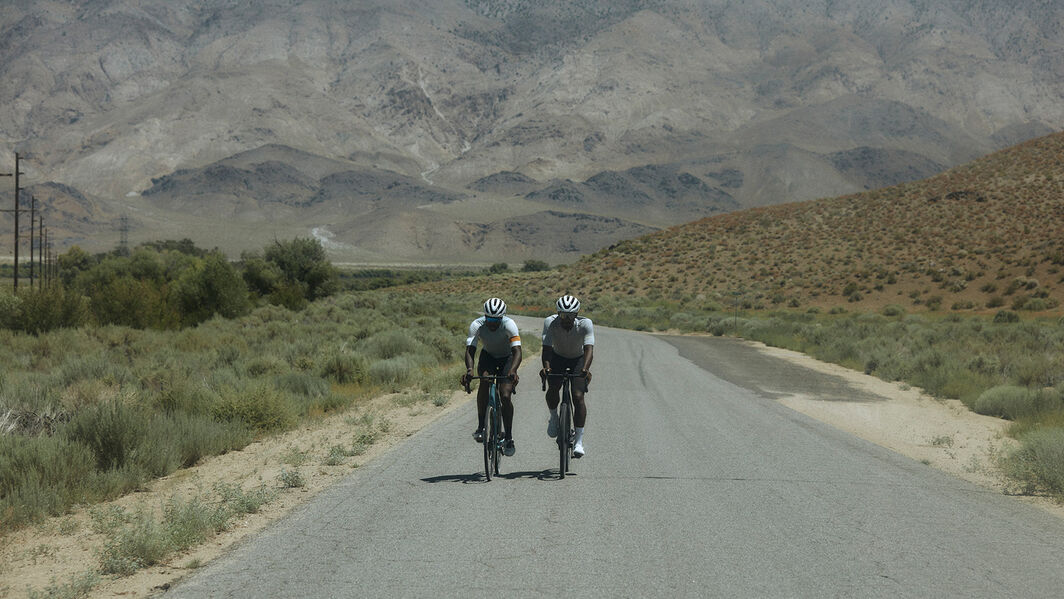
pixel 497 342
pixel 568 344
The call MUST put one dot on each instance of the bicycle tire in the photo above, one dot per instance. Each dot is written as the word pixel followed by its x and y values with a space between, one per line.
pixel 489 442
pixel 564 428
pixel 497 432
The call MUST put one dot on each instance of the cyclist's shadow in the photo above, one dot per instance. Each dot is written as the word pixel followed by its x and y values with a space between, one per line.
pixel 478 477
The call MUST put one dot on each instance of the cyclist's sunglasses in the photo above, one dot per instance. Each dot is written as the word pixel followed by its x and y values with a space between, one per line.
pixel 492 319
pixel 567 314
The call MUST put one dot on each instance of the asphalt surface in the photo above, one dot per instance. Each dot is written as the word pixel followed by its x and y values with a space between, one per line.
pixel 697 483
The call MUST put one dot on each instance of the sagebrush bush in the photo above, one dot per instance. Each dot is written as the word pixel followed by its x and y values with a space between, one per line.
pixel 1013 402
pixel 345 368
pixel 43 476
pixel 261 407
pixel 1040 459
pixel 389 344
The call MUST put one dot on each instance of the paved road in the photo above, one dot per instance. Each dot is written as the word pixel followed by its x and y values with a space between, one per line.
pixel 696 484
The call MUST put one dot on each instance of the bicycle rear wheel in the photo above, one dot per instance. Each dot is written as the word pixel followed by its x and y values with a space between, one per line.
pixel 565 423
pixel 490 445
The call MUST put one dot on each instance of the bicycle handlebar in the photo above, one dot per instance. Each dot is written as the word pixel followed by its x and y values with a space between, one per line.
pixel 490 377
pixel 567 374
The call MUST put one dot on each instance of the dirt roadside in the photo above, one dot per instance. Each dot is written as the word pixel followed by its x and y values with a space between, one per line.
pixel 941 434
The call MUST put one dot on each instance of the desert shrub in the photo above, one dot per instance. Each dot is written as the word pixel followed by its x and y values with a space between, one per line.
pixel 1039 461
pixel 198 436
pixel 1006 316
pixel 113 431
pixel 397 371
pixel 892 310
pixel 41 310
pixel 1013 402
pixel 42 476
pixel 10 310
pixel 389 344
pixel 259 406
pixel 345 368
pixel 299 383
pixel 265 365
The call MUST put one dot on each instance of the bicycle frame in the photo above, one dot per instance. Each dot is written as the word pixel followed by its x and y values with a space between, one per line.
pixel 566 432
pixel 493 440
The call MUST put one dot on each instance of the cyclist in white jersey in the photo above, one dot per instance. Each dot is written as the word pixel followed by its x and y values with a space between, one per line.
pixel 501 353
pixel 568 343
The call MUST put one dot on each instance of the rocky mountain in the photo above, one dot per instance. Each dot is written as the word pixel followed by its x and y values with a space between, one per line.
pixel 436 130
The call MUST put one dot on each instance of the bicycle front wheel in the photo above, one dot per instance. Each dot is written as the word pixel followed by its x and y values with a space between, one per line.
pixel 490 445
pixel 565 448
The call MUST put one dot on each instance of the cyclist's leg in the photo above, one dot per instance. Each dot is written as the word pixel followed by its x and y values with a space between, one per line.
pixel 506 388
pixel 485 367
pixel 579 407
pixel 558 365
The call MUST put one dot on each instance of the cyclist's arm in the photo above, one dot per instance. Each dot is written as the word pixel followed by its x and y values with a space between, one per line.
pixel 470 358
pixel 589 355
pixel 548 353
pixel 515 360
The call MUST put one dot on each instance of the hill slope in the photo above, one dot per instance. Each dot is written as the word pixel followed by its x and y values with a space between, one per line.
pixel 985 235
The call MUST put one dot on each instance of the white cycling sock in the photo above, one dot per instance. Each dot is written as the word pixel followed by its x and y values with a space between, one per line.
pixel 579 434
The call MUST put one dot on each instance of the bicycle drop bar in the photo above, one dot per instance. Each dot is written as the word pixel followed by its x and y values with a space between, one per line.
pixel 566 375
pixel 490 377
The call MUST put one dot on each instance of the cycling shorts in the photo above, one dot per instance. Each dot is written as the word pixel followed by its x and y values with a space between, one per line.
pixel 559 365
pixel 489 364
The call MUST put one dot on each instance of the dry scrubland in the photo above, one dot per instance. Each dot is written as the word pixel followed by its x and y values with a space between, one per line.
pixel 983 236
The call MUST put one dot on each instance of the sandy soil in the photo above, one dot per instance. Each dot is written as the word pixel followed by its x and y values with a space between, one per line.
pixel 942 434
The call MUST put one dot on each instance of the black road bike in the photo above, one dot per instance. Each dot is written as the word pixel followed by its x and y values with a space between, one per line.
pixel 494 442
pixel 566 432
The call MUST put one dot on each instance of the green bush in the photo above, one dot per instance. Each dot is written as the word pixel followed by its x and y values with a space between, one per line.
pixel 302 263
pixel 47 309
pixel 1039 461
pixel 1013 402
pixel 345 368
pixel 260 407
pixel 1006 316
pixel 43 476
pixel 892 310
pixel 389 344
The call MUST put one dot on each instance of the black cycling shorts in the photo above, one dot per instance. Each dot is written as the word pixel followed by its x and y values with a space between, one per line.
pixel 559 364
pixel 489 364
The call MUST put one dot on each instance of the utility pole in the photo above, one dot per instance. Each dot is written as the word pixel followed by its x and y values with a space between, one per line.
pixel 16 211
pixel 40 252
pixel 33 225
pixel 123 239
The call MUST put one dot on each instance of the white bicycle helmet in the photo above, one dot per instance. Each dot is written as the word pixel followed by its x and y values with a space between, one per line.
pixel 494 308
pixel 568 303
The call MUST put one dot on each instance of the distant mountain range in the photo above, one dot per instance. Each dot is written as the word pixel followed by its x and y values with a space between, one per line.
pixel 479 131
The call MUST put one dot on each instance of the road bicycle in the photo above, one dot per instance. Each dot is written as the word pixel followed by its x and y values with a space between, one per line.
pixel 566 432
pixel 494 443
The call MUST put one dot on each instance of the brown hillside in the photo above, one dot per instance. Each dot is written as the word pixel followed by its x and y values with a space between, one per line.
pixel 982 236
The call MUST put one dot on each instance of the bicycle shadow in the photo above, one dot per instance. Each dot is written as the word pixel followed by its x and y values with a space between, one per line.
pixel 478 477
pixel 466 479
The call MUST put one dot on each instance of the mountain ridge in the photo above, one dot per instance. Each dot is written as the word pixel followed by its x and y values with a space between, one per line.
pixel 114 94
